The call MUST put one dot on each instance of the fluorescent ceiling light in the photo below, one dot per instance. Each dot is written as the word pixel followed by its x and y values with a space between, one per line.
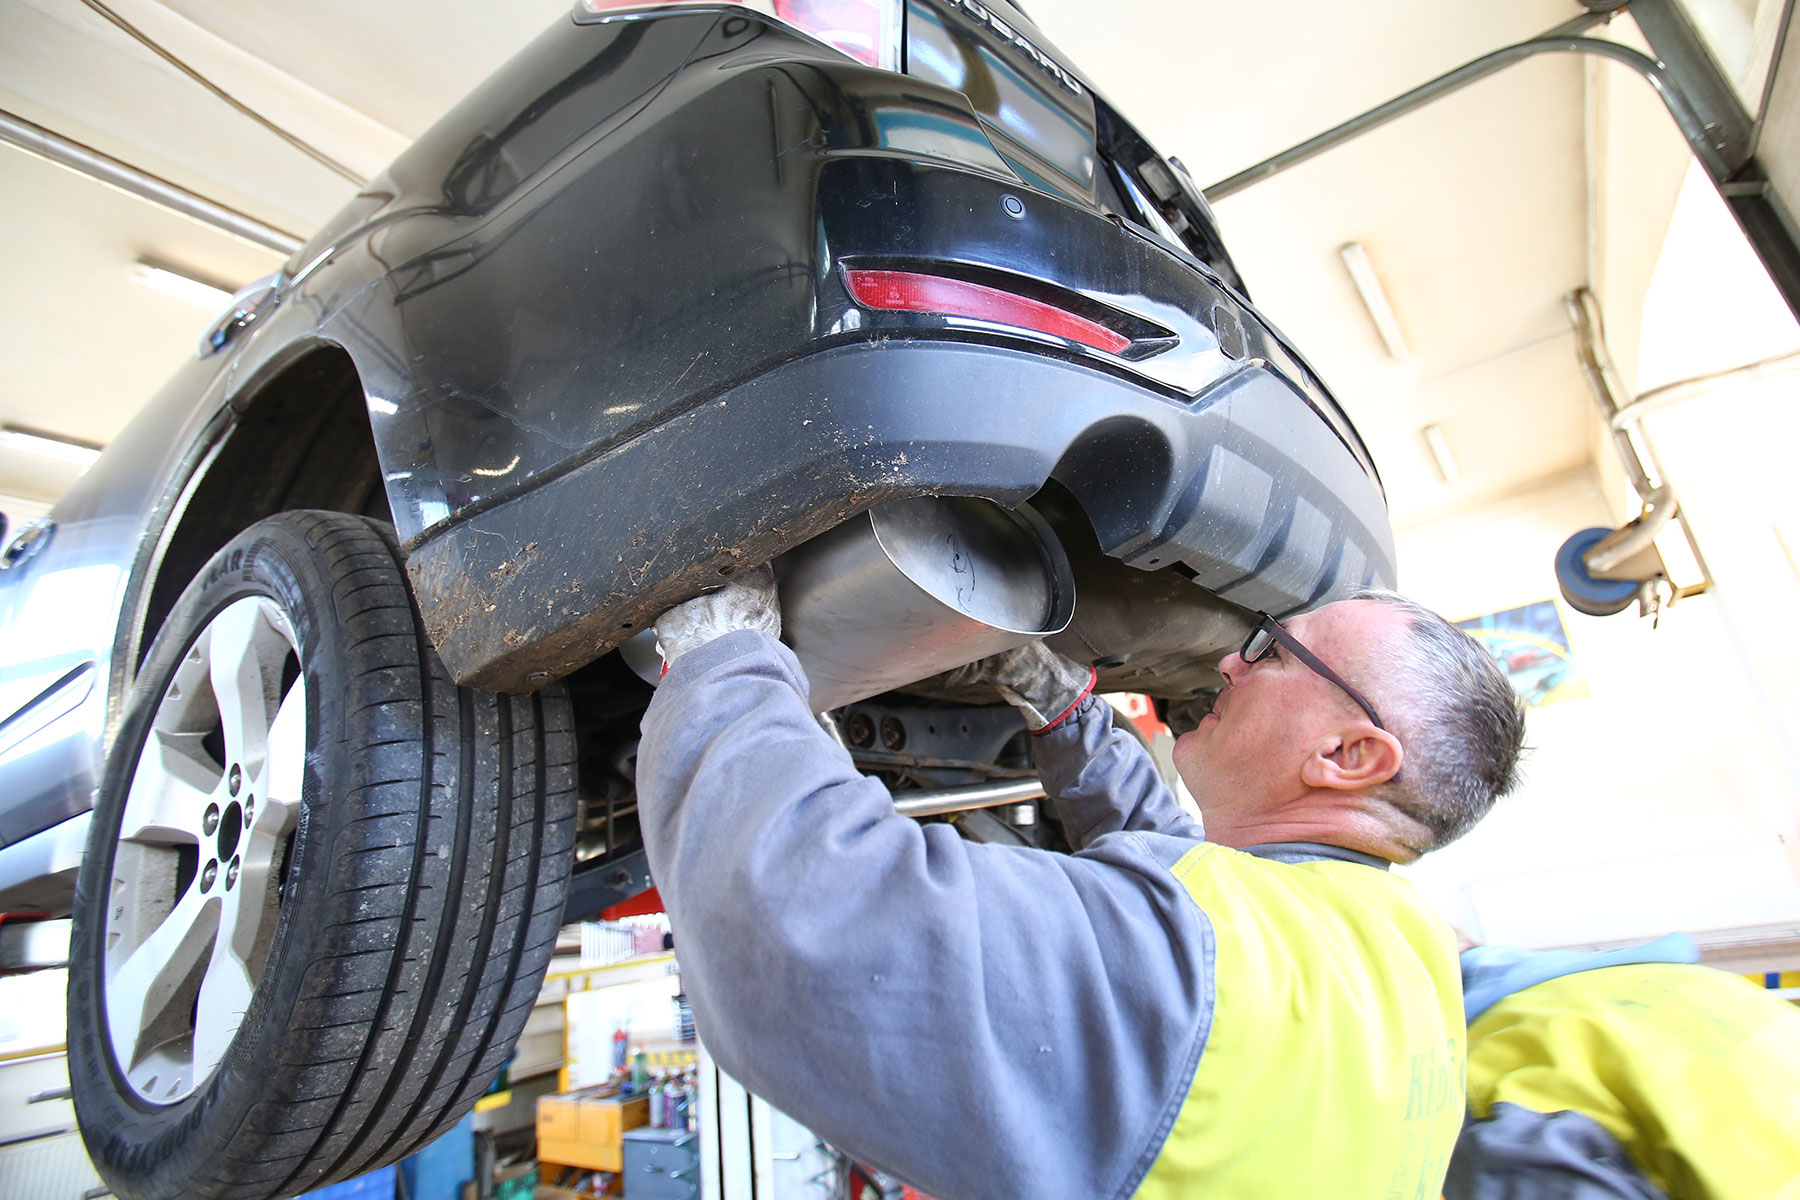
pixel 1440 454
pixel 49 445
pixel 1375 299
pixel 183 287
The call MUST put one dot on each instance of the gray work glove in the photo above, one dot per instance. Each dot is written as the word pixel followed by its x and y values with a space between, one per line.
pixel 1043 685
pixel 747 602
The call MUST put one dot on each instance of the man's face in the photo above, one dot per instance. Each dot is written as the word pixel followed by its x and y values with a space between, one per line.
pixel 1275 713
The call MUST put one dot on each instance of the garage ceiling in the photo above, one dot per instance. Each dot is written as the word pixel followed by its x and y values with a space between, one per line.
pixel 1473 210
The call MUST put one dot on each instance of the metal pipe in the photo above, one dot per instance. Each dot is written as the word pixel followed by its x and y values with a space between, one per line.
pixel 1676 42
pixel 980 795
pixel 1659 500
pixel 1700 135
pixel 1673 393
pixel 1635 538
pixel 35 139
pixel 1590 351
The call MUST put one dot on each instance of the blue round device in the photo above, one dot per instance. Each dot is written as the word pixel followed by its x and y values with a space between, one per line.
pixel 1595 597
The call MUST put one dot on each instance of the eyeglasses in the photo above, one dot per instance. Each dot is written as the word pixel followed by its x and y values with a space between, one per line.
pixel 1269 631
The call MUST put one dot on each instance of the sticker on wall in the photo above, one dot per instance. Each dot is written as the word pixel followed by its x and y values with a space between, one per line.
pixel 1531 643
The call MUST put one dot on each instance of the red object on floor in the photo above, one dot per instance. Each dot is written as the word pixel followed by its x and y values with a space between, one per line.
pixel 642 904
pixel 1142 713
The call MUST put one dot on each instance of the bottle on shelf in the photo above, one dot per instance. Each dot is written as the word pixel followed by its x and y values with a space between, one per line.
pixel 682 1113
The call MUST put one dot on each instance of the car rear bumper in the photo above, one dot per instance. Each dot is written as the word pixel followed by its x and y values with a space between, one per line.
pixel 1244 488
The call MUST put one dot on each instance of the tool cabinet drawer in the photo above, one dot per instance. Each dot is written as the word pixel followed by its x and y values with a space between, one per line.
pixel 661 1164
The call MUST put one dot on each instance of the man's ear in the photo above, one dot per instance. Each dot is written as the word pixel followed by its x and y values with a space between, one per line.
pixel 1359 757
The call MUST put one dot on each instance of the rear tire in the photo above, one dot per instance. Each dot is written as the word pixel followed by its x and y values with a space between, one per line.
pixel 322 882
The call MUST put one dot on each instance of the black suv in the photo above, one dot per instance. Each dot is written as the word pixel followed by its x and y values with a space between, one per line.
pixel 328 640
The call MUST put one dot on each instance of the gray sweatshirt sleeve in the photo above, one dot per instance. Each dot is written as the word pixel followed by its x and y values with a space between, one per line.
pixel 982 1021
pixel 1103 781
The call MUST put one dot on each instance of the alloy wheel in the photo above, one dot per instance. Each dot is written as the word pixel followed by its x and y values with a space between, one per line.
pixel 196 882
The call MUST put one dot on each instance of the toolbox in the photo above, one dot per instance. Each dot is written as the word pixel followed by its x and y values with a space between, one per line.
pixel 582 1129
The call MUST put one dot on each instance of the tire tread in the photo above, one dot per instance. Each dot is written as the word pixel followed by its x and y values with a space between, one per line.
pixel 446 861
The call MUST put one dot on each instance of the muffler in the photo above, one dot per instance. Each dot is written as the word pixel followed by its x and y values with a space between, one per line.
pixel 916 587
pixel 908 590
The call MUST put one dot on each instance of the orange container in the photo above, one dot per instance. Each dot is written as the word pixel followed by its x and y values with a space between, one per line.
pixel 579 1129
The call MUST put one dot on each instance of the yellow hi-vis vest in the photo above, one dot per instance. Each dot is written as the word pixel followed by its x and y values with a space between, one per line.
pixel 1695 1071
pixel 1333 1068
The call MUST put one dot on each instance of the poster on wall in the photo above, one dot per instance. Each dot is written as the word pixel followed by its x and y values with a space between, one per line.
pixel 1531 643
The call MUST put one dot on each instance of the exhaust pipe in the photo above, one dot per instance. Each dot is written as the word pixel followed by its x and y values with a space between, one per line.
pixel 908 590
pixel 962 799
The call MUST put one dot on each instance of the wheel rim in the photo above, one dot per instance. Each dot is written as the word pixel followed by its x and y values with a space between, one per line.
pixel 203 840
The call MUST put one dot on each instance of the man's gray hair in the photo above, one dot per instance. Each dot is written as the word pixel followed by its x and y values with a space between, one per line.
pixel 1460 724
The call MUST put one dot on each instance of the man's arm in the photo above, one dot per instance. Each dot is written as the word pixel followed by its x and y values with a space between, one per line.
pixel 1104 781
pixel 1566 1155
pixel 981 1020
pixel 1101 780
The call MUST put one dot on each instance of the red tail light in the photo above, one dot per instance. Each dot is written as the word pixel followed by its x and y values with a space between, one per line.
pixel 866 30
pixel 907 291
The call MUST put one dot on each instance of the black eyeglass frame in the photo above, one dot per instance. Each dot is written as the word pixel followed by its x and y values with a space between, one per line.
pixel 1275 632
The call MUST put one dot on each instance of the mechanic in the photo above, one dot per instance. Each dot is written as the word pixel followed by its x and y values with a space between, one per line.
pixel 1625 1074
pixel 989 1021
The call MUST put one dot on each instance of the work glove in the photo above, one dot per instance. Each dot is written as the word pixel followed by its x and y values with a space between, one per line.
pixel 1043 685
pixel 747 602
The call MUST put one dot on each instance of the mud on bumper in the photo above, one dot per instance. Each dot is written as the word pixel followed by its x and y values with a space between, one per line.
pixel 1243 488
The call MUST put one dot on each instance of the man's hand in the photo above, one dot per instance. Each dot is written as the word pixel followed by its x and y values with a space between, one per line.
pixel 1043 685
pixel 747 602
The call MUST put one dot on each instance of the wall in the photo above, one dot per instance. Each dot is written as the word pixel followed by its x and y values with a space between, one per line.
pixel 1660 802
pixel 642 1003
pixel 1728 444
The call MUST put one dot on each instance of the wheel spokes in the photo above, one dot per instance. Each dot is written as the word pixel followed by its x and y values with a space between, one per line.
pixel 246 654
pixel 173 783
pixel 226 990
pixel 148 994
pixel 284 771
